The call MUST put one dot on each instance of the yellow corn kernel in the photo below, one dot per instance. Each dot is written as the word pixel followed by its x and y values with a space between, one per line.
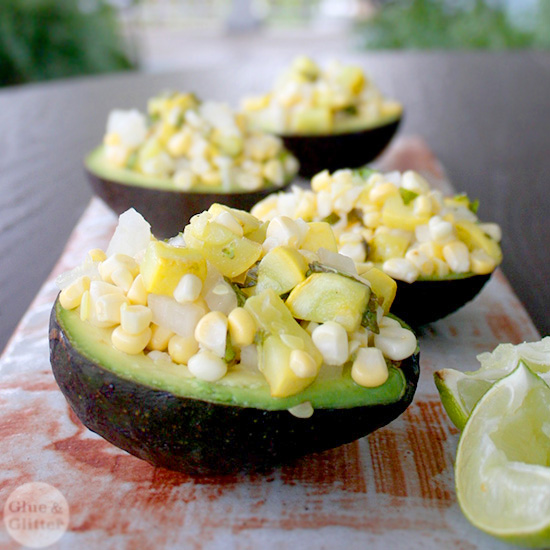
pixel 205 365
pixel 422 206
pixel 135 319
pixel 228 220
pixel 256 103
pixel 182 348
pixel 211 332
pixel 179 144
pixel 441 269
pixel 302 364
pixel 97 255
pixel 107 308
pixel 71 295
pixel 123 278
pixel 212 178
pixel 160 337
pixel 85 306
pixel 130 343
pixel 321 181
pixel 115 262
pixel 274 171
pixel 369 368
pixel 423 263
pixel 242 327
pixel 380 193
pixel 137 293
pixel 481 263
pixel 432 250
pixel 457 256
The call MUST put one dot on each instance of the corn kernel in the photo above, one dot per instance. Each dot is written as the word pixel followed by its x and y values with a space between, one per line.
pixel 97 255
pixel 85 306
pixel 381 192
pixel 372 219
pixel 457 256
pixel 135 319
pixel 422 206
pixel 396 343
pixel 205 365
pixel 130 343
pixel 413 181
pixel 441 268
pixel 331 339
pixel 432 250
pixel 440 230
pixel 100 288
pixel 242 327
pixel 71 296
pixel 423 263
pixel 137 293
pixel 274 171
pixel 123 278
pixel 401 268
pixel 357 252
pixel 321 181
pixel 302 364
pixel 212 178
pixel 188 289
pixel 184 179
pixel 211 332
pixel 179 143
pixel 481 262
pixel 107 308
pixel 117 261
pixel 369 368
pixel 182 348
pixel 160 336
pixel 492 230
pixel 228 220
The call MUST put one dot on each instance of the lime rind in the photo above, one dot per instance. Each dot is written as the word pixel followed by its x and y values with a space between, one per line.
pixel 460 391
pixel 502 469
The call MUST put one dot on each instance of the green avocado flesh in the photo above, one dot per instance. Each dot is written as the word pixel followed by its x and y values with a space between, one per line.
pixel 95 162
pixel 239 387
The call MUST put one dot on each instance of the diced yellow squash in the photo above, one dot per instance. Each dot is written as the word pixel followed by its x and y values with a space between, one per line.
pixel 229 144
pixel 474 237
pixel 382 285
pixel 281 269
pixel 164 266
pixel 258 235
pixel 329 297
pixel 388 245
pixel 284 334
pixel 319 235
pixel 227 252
pixel 312 120
pixel 351 78
pixel 398 215
pixel 248 222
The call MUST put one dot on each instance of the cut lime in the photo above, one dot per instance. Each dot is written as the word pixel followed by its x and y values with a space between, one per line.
pixel 502 468
pixel 460 391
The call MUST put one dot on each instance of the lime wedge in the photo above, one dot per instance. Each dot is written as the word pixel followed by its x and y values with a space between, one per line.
pixel 502 468
pixel 460 391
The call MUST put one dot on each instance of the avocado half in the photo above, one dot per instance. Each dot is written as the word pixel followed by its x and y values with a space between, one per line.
pixel 427 300
pixel 168 210
pixel 157 413
pixel 341 150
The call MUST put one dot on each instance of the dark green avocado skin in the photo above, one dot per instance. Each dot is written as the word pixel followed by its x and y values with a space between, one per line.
pixel 335 151
pixel 168 211
pixel 424 302
pixel 201 438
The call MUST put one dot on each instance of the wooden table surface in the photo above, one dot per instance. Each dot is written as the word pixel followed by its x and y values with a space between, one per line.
pixel 485 116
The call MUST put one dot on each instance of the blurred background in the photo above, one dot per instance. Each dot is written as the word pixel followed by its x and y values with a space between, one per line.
pixel 49 39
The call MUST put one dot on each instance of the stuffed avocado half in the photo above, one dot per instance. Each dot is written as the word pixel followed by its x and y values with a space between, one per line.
pixel 435 247
pixel 236 345
pixel 180 157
